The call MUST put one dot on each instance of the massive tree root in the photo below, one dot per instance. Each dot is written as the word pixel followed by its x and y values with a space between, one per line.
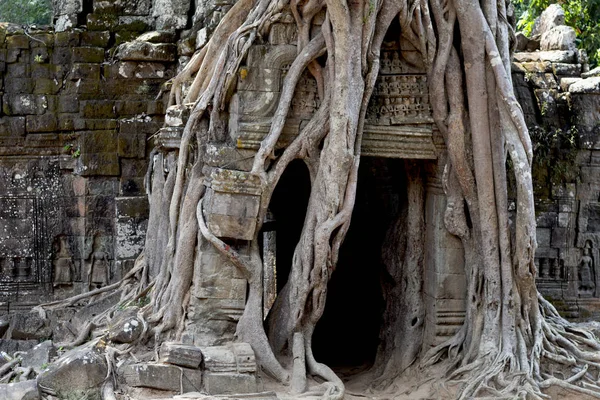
pixel 513 343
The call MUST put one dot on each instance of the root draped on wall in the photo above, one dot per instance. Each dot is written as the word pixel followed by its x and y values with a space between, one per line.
pixel 512 341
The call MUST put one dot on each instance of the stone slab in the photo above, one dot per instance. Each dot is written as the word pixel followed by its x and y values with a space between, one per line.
pixel 162 377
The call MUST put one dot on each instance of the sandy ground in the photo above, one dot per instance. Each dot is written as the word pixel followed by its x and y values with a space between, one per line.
pixel 413 385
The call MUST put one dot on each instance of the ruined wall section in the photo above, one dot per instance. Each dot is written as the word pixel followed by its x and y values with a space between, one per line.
pixel 561 102
pixel 76 115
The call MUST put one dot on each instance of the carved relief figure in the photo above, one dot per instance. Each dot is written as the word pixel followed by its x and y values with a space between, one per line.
pixel 586 272
pixel 62 263
pixel 98 272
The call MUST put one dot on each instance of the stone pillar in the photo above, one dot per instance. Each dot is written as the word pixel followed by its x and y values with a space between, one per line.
pixel 444 281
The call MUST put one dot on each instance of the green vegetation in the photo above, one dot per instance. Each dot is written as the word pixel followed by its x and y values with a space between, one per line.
pixel 582 15
pixel 26 12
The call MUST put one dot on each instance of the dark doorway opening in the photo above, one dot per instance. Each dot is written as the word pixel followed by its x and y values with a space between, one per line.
pixel 347 336
pixel 288 207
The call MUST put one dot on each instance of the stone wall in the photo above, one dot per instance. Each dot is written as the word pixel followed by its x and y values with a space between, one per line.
pixel 77 112
pixel 561 101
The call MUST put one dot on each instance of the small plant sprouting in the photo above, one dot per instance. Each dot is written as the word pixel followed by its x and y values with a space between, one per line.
pixel 69 148
pixel 39 58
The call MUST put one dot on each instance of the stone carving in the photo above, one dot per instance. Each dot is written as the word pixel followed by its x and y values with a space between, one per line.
pixel 400 99
pixel 62 263
pixel 586 271
pixel 399 120
pixel 99 268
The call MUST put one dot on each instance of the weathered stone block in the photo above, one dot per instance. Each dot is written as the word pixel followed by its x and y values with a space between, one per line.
pixel 10 346
pixel 233 200
pixel 162 377
pixel 39 357
pixel 132 145
pixel 28 326
pixel 588 85
pixel 181 354
pixel 158 37
pixel 565 69
pixel 102 164
pixel 560 237
pixel 39 55
pixel 177 115
pixel 126 327
pixel 42 40
pixel 139 125
pixel 99 141
pixel 156 107
pixel 18 85
pixel 68 104
pixel 85 71
pixel 132 207
pixel 41 123
pixel 235 357
pixel 169 137
pixel 562 56
pixel 98 109
pixel 130 108
pixel 559 38
pixel 87 54
pixel 543 237
pixel 134 23
pixel 232 157
pixel 144 51
pixel 46 86
pixel 17 42
pixel 134 168
pixel 61 56
pixel 546 252
pixel 70 122
pixel 131 186
pixel 141 7
pixel 219 383
pixel 77 373
pixel 68 6
pixel 551 17
pixel 66 39
pixel 26 390
pixel 102 22
pixel 12 126
pixel 18 70
pixel 46 71
pixel 95 38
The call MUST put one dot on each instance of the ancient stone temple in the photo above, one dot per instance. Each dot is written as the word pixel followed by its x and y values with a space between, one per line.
pixel 84 113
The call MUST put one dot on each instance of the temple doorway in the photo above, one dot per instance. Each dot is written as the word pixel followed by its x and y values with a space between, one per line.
pixel 347 336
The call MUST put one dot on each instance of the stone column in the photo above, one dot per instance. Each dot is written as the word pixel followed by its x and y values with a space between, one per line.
pixel 444 281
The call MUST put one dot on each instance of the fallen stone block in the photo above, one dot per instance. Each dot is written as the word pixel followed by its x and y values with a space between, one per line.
pixel 126 328
pixel 181 354
pixel 39 357
pixel 78 374
pixel 27 390
pixel 162 377
pixel 226 383
pixel 236 357
pixel 29 326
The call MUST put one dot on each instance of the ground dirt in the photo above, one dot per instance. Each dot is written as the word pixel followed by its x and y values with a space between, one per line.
pixel 412 385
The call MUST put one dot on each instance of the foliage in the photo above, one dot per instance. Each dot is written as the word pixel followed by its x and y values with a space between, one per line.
pixel 582 15
pixel 26 12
